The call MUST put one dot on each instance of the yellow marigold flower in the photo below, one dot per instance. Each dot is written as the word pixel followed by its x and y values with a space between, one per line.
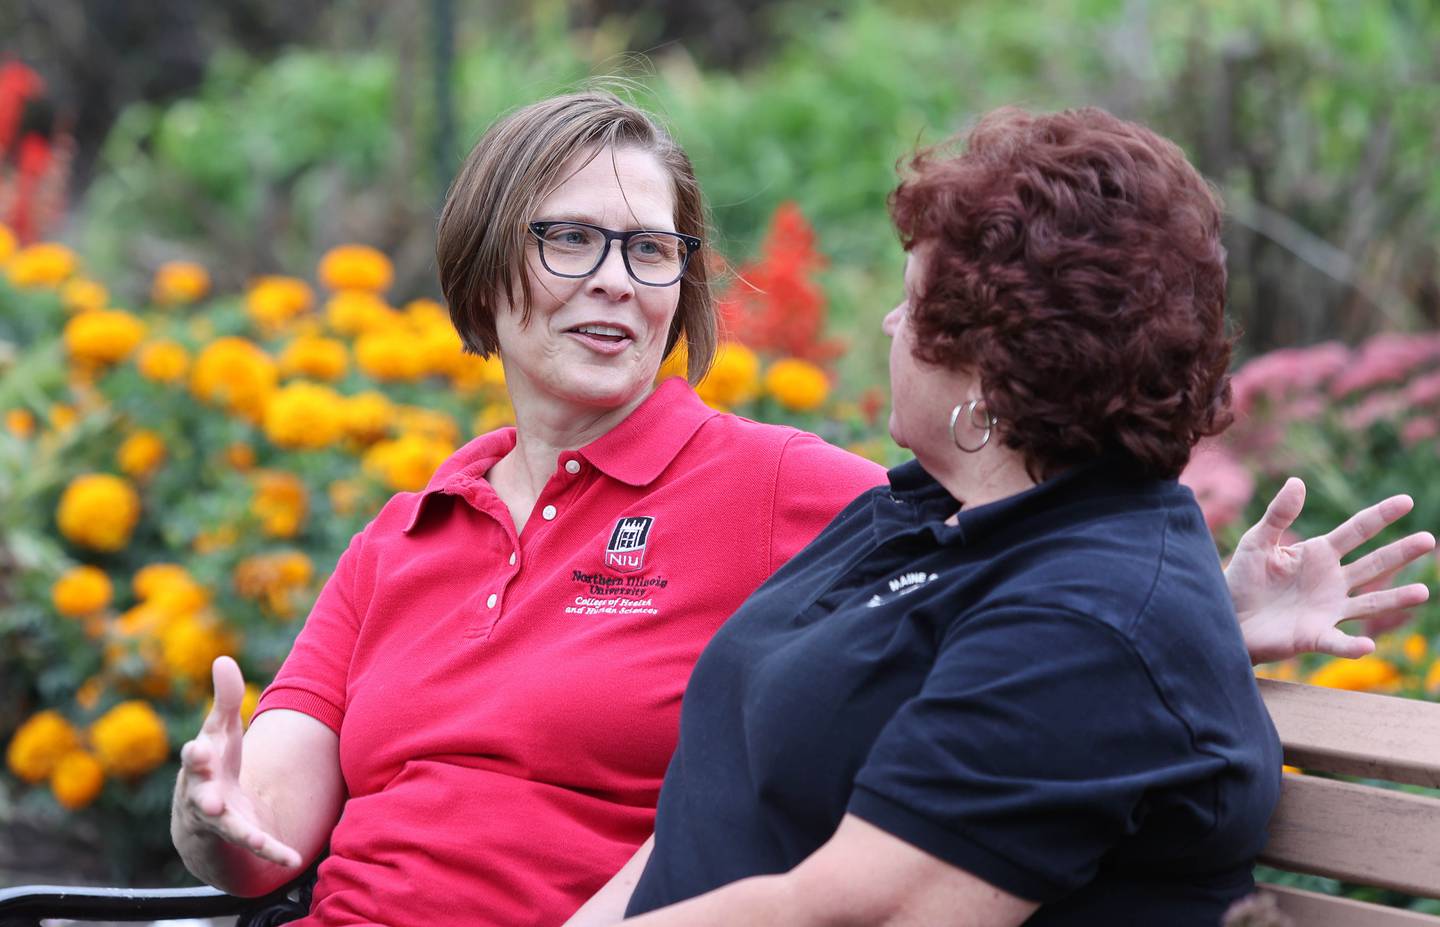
pixel 39 744
pixel 150 580
pixel 130 739
pixel 407 463
pixel 677 364
pixel 98 511
pixel 280 502
pixel 441 351
pixel 81 591
pixel 163 361
pixel 248 703
pixel 84 295
pixel 1367 674
pixel 20 422
pixel 177 283
pixel 427 423
pixel 1432 679
pixel 235 374
pixel 798 385
pixel 495 415
pixel 141 454
pixel 180 597
pixel 356 267
pixel 345 496
pixel 366 416
pixel 733 379
pixel 274 302
pixel 390 355
pixel 41 265
pixel 240 455
pixel 316 357
pixel 191 643
pixel 303 415
pixel 8 243
pixel 103 336
pixel 427 313
pixel 354 312
pixel 471 373
pixel 77 779
pixel 1416 648
pixel 63 417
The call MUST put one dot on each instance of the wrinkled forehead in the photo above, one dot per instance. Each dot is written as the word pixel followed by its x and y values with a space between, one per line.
pixel 616 187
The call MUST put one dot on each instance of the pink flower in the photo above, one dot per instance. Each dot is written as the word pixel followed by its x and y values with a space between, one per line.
pixel 1385 358
pixel 1423 391
pixel 1221 484
pixel 1417 430
pixel 1287 372
pixel 1373 408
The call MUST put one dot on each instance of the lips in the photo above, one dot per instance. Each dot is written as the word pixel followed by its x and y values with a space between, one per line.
pixel 609 333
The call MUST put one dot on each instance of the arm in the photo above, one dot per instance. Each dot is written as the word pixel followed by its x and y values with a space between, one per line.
pixel 250 811
pixel 607 906
pixel 1290 597
pixel 862 876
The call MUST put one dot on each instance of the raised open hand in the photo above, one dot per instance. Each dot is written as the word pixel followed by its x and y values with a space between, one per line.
pixel 208 794
pixel 1290 597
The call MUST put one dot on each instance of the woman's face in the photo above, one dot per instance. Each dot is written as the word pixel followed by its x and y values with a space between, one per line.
pixel 921 395
pixel 594 343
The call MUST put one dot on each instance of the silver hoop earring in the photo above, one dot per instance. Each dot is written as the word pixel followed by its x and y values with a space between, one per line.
pixel 985 421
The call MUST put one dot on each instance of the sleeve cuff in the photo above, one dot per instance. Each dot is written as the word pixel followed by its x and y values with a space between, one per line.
pixel 954 847
pixel 302 701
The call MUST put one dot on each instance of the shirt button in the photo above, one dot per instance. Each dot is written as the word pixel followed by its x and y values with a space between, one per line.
pixel 512 558
pixel 548 513
pixel 572 466
pixel 490 602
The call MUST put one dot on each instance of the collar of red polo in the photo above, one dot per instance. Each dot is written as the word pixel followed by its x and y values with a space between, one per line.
pixel 634 452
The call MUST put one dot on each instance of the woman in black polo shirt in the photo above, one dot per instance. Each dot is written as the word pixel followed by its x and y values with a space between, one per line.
pixel 1010 686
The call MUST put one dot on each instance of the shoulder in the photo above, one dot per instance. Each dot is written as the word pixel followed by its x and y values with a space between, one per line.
pixel 792 454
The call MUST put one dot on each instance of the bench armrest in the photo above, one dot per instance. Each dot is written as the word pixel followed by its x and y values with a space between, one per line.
pixel 27 905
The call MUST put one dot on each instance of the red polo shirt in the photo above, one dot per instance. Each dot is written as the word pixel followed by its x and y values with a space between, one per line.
pixel 507 704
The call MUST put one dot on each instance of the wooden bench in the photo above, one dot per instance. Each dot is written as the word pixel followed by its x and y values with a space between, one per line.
pixel 1356 833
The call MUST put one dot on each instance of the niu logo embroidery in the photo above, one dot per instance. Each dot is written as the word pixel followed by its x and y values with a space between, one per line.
pixel 626 550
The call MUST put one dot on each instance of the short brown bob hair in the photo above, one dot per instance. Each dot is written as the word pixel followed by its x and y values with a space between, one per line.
pixel 480 244
pixel 1074 262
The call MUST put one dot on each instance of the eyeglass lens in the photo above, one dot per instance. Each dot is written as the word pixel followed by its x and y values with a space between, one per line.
pixel 655 258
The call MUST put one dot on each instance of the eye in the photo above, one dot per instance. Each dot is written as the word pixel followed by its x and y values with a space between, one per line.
pixel 570 236
pixel 652 248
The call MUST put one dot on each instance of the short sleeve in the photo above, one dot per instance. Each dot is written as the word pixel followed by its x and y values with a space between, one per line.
pixel 312 678
pixel 1028 753
pixel 814 481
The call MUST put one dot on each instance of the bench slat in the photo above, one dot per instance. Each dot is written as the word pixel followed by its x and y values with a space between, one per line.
pixel 1357 833
pixel 1356 733
pixel 1307 909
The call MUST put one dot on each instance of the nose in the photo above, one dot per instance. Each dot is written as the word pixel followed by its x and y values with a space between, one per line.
pixel 611 279
pixel 891 323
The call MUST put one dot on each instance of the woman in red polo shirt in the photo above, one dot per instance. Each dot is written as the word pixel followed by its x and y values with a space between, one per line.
pixel 479 711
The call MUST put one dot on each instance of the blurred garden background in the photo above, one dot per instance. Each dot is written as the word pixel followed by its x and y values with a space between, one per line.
pixel 221 347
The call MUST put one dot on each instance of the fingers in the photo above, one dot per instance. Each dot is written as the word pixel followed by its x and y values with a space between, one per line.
pixel 229 691
pixel 268 848
pixel 1386 600
pixel 1339 644
pixel 1366 523
pixel 1385 562
pixel 1279 515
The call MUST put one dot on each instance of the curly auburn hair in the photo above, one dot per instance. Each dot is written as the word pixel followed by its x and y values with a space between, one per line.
pixel 1074 261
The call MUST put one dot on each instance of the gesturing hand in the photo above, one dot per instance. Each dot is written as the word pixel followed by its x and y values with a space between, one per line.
pixel 209 795
pixel 1291 597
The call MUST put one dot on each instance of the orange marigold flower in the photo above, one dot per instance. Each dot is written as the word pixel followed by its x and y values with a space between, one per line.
pixel 240 455
pixel 163 361
pixel 82 590
pixel 356 267
pixel 191 643
pixel 280 502
pixel 1367 674
pixel 130 739
pixel 390 355
pixel 366 416
pixel 177 283
pixel 77 779
pixel 314 356
pixel 274 302
pixel 103 336
pixel 20 422
pixel 152 579
pixel 1416 648
pixel 98 511
pixel 39 744
pixel 798 385
pixel 733 379
pixel 141 454
pixel 303 415
pixel 8 243
pixel 235 374
pixel 407 463
pixel 354 312
pixel 46 264
pixel 84 295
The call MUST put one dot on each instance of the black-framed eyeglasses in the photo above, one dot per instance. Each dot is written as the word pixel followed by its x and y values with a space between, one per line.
pixel 577 249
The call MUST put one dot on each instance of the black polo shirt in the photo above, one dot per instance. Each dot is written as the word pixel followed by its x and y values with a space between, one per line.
pixel 1052 695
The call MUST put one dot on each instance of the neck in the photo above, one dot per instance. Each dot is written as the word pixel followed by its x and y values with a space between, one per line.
pixel 545 428
pixel 990 475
